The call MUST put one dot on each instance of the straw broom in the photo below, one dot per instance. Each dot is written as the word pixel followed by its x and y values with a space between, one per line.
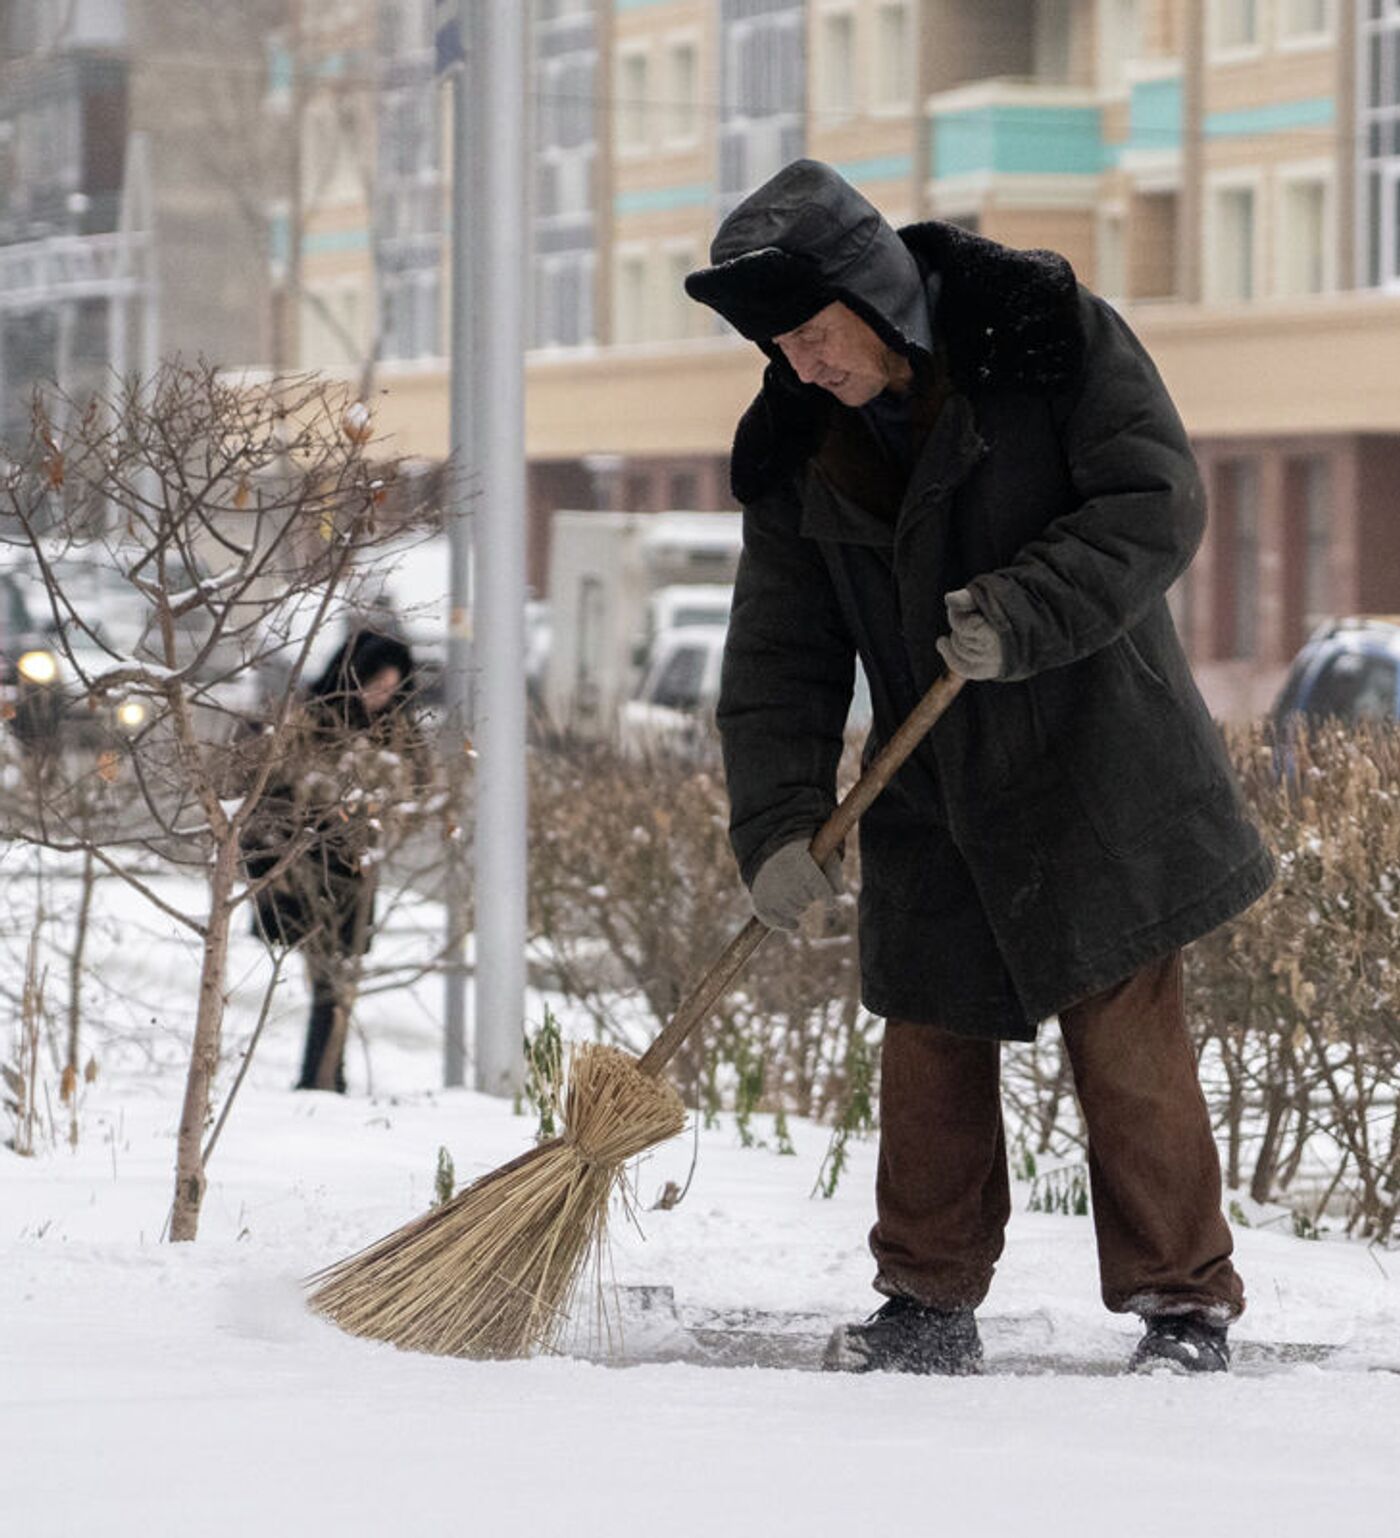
pixel 491 1272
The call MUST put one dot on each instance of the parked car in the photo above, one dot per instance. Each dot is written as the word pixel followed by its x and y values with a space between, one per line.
pixel 45 668
pixel 674 708
pixel 1348 670
pixel 679 606
pixel 31 701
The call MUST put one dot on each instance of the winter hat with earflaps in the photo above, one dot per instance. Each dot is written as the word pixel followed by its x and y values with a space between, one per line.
pixel 803 240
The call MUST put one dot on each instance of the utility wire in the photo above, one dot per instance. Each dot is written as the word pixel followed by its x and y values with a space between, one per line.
pixel 1029 119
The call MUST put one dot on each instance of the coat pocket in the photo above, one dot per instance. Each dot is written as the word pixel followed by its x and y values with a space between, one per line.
pixel 1137 758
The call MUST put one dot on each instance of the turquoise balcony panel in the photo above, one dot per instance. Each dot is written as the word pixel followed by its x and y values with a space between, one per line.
pixel 660 200
pixel 1155 116
pixel 1018 141
pixel 1274 117
pixel 877 168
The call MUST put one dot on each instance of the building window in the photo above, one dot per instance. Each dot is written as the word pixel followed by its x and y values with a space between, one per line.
pixel 1238 594
pixel 1052 43
pixel 682 103
pixel 1233 253
pixel 763 93
pixel 678 310
pixel 1151 259
pixel 1303 242
pixel 1378 200
pixel 1120 41
pixel 631 297
pixel 1234 24
pixel 633 105
pixel 1111 278
pixel 1308 491
pixel 1305 18
pixel 685 490
pixel 892 85
pixel 837 64
pixel 564 299
pixel 410 314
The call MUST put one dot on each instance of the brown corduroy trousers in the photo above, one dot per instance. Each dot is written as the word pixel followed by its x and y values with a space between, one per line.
pixel 942 1193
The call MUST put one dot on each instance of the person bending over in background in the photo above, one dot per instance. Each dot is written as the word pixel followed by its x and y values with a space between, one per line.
pixel 355 755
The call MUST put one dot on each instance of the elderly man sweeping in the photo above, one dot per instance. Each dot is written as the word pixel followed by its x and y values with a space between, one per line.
pixel 960 459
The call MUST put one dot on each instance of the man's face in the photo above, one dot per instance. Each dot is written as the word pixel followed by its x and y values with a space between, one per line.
pixel 839 352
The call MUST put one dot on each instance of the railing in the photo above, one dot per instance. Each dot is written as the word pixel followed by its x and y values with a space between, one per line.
pixel 71 267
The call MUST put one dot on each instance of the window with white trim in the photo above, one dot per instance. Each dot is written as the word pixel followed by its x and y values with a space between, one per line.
pixel 763 89
pixel 563 314
pixel 681 107
pixel 1052 44
pixel 679 312
pixel 892 72
pixel 1233 263
pixel 1378 169
pixel 836 64
pixel 1303 235
pixel 1120 41
pixel 1305 18
pixel 633 103
pixel 1234 24
pixel 630 297
pixel 1111 279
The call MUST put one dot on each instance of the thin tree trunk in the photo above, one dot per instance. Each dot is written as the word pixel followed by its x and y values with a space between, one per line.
pixel 204 1056
pixel 75 960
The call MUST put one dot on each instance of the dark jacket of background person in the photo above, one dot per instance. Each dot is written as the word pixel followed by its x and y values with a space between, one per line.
pixel 342 775
pixel 1062 828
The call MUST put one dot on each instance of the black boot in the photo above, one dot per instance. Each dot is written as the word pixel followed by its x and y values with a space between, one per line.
pixel 904 1336
pixel 1181 1343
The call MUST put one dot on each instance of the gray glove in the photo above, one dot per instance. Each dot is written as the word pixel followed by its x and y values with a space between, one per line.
pixel 789 881
pixel 974 649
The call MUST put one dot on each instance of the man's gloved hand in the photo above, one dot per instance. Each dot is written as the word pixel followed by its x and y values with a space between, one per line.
pixel 974 649
pixel 789 881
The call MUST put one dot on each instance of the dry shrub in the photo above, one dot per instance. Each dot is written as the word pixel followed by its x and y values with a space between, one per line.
pixel 634 892
pixel 1295 1002
pixel 1293 1006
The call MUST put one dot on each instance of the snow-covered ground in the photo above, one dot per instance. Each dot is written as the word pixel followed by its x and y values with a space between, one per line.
pixel 148 1389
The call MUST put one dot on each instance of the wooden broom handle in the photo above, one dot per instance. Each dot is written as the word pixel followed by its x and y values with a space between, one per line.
pixel 829 837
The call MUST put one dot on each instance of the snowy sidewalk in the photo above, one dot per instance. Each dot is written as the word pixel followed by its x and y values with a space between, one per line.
pixel 148 1389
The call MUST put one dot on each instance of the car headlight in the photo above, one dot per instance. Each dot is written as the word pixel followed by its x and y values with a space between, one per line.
pixel 130 714
pixel 38 667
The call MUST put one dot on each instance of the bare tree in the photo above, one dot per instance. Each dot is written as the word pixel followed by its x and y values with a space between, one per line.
pixel 237 519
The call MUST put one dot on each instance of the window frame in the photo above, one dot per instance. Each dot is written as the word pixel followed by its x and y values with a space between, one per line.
pixel 685 39
pixel 1219 185
pixel 896 105
pixel 633 51
pixel 1316 172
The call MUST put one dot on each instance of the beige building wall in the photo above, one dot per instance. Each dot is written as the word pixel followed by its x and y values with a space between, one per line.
pixel 862 115
pixel 1274 380
pixel 662 167
pixel 1280 84
pixel 1070 231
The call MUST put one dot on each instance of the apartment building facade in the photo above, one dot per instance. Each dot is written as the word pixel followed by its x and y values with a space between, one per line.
pixel 1227 172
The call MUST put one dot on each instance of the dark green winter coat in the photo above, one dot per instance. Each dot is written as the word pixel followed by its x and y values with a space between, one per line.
pixel 1074 821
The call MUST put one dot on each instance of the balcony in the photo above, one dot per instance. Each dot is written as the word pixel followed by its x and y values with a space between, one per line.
pixel 1014 128
pixel 39 273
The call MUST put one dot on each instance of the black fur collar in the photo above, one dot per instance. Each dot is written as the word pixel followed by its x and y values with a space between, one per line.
pixel 1009 320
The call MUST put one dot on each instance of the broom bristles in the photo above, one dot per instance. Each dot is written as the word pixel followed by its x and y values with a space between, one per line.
pixel 492 1271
